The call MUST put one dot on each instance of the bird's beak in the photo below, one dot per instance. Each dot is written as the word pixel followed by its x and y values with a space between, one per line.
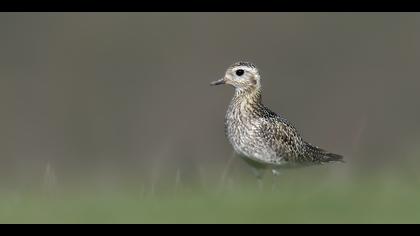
pixel 217 82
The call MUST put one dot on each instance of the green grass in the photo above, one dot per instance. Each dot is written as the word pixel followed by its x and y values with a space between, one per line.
pixel 380 200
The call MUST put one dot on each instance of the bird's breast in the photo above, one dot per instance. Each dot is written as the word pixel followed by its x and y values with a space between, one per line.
pixel 242 131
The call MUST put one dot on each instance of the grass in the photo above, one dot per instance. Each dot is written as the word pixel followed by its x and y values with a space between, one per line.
pixel 295 200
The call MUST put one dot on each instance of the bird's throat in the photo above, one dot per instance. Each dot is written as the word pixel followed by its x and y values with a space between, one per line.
pixel 246 101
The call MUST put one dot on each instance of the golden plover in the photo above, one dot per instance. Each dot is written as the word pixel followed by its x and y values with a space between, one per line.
pixel 264 139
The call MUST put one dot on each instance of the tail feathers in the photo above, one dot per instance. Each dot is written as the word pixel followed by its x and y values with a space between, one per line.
pixel 319 154
pixel 332 157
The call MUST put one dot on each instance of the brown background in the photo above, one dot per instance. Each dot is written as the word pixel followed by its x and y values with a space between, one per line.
pixel 106 95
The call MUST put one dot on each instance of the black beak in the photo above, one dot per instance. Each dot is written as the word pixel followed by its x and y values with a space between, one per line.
pixel 217 82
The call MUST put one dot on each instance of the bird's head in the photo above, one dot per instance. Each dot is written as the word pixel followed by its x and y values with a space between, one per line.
pixel 242 76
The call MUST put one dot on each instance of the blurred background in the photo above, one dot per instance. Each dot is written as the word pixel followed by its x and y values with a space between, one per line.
pixel 109 98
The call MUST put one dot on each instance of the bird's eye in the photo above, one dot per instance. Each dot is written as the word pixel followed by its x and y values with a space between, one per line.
pixel 240 72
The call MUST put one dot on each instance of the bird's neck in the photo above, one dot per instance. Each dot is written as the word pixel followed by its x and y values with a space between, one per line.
pixel 246 100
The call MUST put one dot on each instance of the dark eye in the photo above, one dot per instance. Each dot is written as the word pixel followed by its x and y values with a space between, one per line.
pixel 240 72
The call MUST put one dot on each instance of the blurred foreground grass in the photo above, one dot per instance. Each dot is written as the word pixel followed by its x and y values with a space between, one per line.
pixel 388 199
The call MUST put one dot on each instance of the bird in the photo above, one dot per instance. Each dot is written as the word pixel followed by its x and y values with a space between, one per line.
pixel 262 138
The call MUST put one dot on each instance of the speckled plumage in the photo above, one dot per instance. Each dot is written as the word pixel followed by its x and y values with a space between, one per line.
pixel 263 138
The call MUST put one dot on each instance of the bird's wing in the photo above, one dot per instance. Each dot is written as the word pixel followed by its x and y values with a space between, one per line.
pixel 283 138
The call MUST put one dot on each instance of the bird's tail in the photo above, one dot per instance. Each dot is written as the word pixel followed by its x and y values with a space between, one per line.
pixel 333 157
pixel 319 154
